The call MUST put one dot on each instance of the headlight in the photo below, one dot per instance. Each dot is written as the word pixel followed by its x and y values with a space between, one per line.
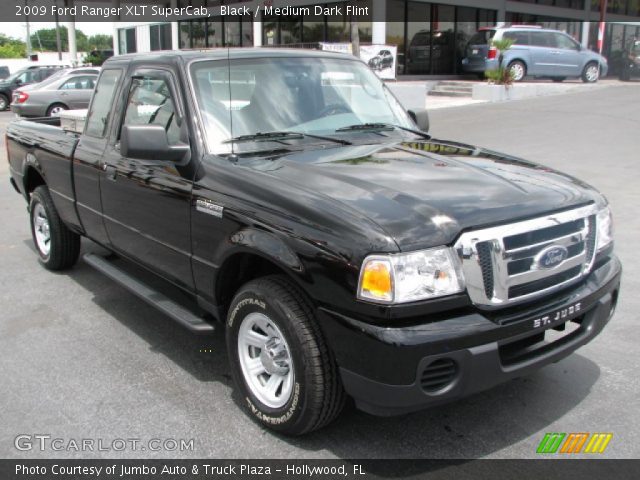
pixel 409 277
pixel 604 221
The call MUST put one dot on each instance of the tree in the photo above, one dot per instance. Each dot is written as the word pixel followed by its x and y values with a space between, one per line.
pixel 12 47
pixel 45 40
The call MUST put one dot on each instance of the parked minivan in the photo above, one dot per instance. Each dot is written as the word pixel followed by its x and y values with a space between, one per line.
pixel 536 52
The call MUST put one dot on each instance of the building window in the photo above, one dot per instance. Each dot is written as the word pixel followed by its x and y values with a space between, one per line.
pixel 217 32
pixel 127 40
pixel 160 37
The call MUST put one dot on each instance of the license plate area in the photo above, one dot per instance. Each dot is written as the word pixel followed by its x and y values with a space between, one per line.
pixel 541 341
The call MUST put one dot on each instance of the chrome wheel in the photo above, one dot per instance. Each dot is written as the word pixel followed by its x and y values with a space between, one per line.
pixel 517 72
pixel 41 229
pixel 265 360
pixel 3 104
pixel 592 73
pixel 55 111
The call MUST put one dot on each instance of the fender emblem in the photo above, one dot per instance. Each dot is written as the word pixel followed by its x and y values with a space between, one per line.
pixel 207 206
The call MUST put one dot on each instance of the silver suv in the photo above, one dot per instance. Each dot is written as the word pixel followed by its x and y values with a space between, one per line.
pixel 536 52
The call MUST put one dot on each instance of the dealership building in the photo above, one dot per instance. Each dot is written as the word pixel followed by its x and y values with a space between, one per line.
pixel 435 31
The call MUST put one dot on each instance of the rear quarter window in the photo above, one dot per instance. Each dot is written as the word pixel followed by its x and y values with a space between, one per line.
pixel 519 38
pixel 482 37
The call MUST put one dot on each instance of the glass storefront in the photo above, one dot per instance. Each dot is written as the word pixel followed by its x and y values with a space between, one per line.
pixel 572 27
pixel 306 30
pixel 431 37
pixel 127 40
pixel 160 37
pixel 620 7
pixel 214 32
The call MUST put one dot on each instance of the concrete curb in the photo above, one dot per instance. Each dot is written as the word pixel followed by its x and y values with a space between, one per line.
pixel 500 93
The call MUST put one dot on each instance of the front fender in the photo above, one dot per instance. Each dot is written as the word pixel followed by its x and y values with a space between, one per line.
pixel 268 245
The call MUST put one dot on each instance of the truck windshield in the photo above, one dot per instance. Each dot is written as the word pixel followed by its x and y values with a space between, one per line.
pixel 305 95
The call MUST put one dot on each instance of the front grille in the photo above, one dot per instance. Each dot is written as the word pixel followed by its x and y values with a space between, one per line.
pixel 511 263
pixel 438 374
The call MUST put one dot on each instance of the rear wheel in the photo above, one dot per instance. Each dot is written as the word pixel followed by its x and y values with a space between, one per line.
pixel 518 70
pixel 4 102
pixel 283 369
pixel 57 246
pixel 55 109
pixel 591 73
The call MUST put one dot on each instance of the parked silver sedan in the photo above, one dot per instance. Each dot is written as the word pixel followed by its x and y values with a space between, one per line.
pixel 49 98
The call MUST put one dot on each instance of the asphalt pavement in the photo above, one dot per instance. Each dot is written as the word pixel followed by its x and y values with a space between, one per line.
pixel 81 358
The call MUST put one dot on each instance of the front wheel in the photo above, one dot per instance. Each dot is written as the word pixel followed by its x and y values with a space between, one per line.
pixel 283 369
pixel 591 73
pixel 57 246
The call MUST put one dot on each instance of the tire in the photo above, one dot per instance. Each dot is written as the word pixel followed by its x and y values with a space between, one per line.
pixel 591 73
pixel 4 102
pixel 558 79
pixel 518 70
pixel 55 109
pixel 62 248
pixel 306 375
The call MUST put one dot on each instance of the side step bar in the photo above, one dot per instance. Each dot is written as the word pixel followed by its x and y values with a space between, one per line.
pixel 163 303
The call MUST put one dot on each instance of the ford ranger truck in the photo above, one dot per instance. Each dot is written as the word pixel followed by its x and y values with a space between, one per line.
pixel 345 252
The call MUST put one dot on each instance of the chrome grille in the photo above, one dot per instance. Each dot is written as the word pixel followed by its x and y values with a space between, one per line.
pixel 501 264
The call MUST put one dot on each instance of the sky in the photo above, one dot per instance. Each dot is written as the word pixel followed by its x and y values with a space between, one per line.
pixel 19 30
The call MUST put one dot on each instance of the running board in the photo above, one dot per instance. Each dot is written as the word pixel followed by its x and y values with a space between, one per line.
pixel 153 297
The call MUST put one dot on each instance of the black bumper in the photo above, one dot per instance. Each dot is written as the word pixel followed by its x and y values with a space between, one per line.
pixel 391 371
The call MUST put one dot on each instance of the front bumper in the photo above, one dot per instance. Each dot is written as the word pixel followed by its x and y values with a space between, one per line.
pixel 384 368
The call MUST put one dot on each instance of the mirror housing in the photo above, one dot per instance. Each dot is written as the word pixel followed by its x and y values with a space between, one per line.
pixel 420 117
pixel 150 142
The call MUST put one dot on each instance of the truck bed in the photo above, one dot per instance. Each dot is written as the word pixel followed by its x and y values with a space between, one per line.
pixel 39 147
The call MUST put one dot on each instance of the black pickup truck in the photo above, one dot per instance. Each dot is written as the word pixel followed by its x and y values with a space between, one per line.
pixel 345 251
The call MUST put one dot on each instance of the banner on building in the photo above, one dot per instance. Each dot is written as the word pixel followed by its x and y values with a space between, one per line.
pixel 381 59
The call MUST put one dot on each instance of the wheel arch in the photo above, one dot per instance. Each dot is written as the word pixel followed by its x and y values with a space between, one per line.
pixel 254 254
pixel 33 177
pixel 53 104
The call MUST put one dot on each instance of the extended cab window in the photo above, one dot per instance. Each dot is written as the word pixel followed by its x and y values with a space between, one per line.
pixel 151 103
pixel 98 117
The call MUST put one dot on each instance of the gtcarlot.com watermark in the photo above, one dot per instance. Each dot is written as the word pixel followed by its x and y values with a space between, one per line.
pixel 47 442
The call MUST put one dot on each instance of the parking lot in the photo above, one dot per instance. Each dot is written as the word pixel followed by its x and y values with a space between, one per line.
pixel 82 358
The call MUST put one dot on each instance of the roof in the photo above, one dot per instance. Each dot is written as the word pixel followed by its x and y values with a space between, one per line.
pixel 222 53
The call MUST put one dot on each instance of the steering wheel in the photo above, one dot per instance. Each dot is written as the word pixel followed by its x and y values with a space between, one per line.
pixel 334 109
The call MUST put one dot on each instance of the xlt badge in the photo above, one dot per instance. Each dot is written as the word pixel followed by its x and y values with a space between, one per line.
pixel 207 206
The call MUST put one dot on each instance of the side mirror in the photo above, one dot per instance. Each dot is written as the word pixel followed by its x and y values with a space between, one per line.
pixel 420 117
pixel 150 142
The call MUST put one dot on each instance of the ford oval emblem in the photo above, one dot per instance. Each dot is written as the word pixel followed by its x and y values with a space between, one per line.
pixel 551 257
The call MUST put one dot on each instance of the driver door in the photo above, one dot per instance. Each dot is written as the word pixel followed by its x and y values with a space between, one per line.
pixel 146 203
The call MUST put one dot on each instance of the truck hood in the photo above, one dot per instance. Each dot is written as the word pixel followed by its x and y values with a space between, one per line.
pixel 425 193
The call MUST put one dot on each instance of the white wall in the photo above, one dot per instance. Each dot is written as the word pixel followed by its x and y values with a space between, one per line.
pixel 44 58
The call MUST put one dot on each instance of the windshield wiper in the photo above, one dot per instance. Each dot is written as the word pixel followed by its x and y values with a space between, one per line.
pixel 284 136
pixel 381 126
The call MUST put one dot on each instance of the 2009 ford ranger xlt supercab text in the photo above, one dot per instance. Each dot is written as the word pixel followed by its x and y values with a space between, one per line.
pixel 344 250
